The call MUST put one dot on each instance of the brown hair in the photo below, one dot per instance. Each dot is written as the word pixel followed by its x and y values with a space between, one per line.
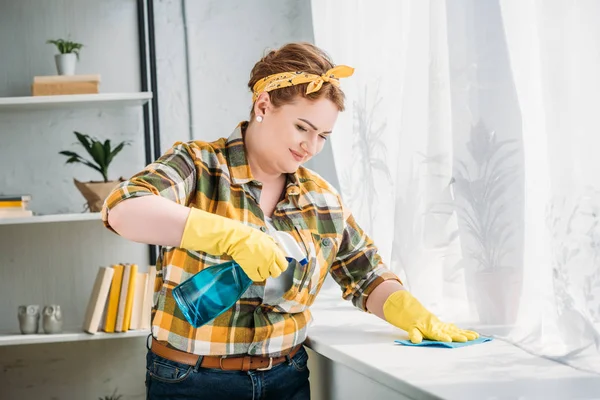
pixel 300 56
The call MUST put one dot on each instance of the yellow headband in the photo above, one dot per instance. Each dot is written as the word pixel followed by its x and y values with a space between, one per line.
pixel 286 79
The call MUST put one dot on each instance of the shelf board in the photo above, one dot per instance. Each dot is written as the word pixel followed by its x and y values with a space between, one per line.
pixel 68 336
pixel 36 219
pixel 71 101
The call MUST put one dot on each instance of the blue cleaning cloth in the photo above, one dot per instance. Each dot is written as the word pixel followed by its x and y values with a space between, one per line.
pixel 450 345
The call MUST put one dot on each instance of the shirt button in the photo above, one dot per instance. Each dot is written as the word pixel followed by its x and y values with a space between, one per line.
pixel 326 242
pixel 263 228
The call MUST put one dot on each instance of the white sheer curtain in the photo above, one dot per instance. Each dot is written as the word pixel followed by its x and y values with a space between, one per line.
pixel 468 151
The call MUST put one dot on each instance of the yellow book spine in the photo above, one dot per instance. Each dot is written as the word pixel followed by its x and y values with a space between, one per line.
pixel 11 204
pixel 129 300
pixel 113 300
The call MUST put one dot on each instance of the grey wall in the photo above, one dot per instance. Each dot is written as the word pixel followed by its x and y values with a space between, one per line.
pixel 224 41
pixel 29 161
pixel 225 38
pixel 56 263
pixel 107 28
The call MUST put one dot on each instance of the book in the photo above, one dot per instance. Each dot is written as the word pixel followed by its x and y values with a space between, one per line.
pixel 123 297
pixel 18 204
pixel 98 299
pixel 65 84
pixel 146 320
pixel 138 300
pixel 113 299
pixel 129 299
pixel 66 78
pixel 102 325
pixel 15 197
pixel 14 201
pixel 16 213
pixel 63 88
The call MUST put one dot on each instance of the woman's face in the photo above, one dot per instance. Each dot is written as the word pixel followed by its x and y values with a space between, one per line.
pixel 292 134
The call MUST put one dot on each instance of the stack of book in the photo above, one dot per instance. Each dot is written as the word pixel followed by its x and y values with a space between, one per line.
pixel 65 84
pixel 121 299
pixel 15 206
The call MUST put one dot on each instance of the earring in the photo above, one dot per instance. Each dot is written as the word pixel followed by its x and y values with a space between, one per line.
pixel 259 118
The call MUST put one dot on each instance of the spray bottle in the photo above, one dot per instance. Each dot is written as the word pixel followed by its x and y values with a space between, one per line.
pixel 210 292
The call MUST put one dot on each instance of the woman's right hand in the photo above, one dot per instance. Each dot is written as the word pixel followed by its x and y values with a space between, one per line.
pixel 256 252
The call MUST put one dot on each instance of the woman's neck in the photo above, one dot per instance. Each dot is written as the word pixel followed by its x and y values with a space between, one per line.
pixel 259 166
pixel 261 173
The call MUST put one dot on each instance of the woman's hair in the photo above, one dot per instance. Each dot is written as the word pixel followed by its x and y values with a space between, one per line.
pixel 304 57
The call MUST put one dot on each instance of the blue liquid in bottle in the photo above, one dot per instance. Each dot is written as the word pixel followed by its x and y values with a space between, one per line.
pixel 210 292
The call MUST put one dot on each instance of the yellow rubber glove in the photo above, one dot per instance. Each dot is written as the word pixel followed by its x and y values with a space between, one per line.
pixel 256 252
pixel 403 310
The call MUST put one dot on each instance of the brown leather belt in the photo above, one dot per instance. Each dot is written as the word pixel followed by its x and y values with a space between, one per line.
pixel 244 363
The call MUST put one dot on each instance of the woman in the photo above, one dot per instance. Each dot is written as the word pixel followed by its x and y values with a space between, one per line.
pixel 205 203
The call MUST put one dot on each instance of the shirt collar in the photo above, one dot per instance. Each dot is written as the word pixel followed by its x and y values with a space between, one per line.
pixel 236 156
pixel 239 168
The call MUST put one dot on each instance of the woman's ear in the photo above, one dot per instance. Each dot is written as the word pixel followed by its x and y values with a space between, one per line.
pixel 262 104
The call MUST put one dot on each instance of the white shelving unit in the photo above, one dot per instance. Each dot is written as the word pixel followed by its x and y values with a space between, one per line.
pixel 38 219
pixel 75 101
pixel 11 339
pixel 55 257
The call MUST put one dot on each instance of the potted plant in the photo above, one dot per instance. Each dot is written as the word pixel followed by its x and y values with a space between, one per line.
pixel 114 396
pixel 67 57
pixel 95 192
pixel 485 190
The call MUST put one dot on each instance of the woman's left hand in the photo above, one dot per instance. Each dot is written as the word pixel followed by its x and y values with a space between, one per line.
pixel 403 310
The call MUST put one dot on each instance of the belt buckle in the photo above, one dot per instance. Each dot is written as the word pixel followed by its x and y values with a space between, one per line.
pixel 268 367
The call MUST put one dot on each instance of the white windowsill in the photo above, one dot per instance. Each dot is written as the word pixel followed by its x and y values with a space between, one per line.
pixel 491 370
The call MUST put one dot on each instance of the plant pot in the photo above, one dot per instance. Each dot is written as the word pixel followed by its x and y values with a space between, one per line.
pixel 65 63
pixel 95 192
pixel 496 294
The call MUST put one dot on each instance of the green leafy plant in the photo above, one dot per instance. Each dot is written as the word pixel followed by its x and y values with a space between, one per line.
pixel 102 153
pixel 113 396
pixel 66 46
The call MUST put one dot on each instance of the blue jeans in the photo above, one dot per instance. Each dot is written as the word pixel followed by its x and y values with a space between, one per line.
pixel 167 379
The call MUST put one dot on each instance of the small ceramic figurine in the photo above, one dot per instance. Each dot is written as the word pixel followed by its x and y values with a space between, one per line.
pixel 29 319
pixel 52 319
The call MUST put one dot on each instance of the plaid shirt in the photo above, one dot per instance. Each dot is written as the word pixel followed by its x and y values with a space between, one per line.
pixel 215 177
